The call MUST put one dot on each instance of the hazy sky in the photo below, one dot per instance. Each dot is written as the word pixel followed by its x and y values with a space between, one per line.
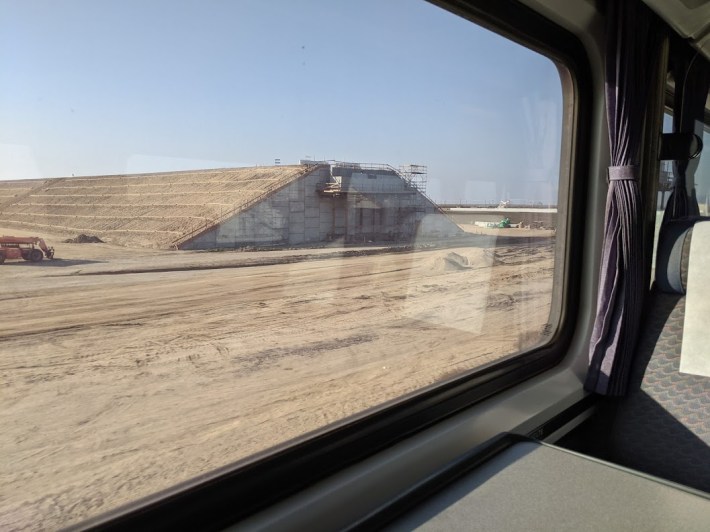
pixel 106 87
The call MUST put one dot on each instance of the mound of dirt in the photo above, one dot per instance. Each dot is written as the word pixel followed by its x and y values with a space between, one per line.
pixel 84 239
pixel 458 261
pixel 454 261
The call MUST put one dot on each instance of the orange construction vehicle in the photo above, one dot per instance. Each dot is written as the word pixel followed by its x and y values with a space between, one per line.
pixel 30 248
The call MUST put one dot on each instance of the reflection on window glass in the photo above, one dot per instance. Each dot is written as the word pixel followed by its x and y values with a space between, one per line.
pixel 267 217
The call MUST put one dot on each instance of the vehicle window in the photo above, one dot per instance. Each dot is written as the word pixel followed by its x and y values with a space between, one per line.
pixel 702 175
pixel 665 188
pixel 698 190
pixel 665 178
pixel 266 218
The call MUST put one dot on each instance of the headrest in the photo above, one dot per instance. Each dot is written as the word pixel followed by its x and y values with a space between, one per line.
pixel 672 254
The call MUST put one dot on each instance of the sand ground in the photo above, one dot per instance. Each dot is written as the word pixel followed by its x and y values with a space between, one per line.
pixel 123 372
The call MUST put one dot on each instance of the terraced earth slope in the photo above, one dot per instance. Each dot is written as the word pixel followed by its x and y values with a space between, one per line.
pixel 159 210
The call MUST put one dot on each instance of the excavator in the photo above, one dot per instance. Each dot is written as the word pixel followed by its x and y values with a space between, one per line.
pixel 31 248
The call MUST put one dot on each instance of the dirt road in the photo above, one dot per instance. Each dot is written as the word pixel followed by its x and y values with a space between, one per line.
pixel 117 384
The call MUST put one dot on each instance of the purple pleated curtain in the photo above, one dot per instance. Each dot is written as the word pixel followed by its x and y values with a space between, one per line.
pixel 692 80
pixel 630 45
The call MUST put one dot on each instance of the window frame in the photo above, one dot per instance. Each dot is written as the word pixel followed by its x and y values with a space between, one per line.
pixel 243 488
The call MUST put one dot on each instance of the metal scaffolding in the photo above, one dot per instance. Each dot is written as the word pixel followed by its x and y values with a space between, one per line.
pixel 415 175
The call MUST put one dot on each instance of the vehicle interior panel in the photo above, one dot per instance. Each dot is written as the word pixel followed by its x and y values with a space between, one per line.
pixel 503 494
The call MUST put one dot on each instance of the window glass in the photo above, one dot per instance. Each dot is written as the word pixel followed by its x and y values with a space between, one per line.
pixel 665 178
pixel 699 168
pixel 665 188
pixel 266 217
pixel 698 186
pixel 702 175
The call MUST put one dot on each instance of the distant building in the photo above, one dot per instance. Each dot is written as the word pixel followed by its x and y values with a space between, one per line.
pixel 229 208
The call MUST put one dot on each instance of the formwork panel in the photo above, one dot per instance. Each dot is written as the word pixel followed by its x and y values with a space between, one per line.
pixel 313 212
pixel 311 224
pixel 296 206
pixel 296 238
pixel 312 235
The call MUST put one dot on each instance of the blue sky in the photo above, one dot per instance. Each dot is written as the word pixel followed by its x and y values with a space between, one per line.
pixel 99 87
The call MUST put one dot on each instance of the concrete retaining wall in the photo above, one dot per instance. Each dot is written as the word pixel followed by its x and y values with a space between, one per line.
pixel 369 209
